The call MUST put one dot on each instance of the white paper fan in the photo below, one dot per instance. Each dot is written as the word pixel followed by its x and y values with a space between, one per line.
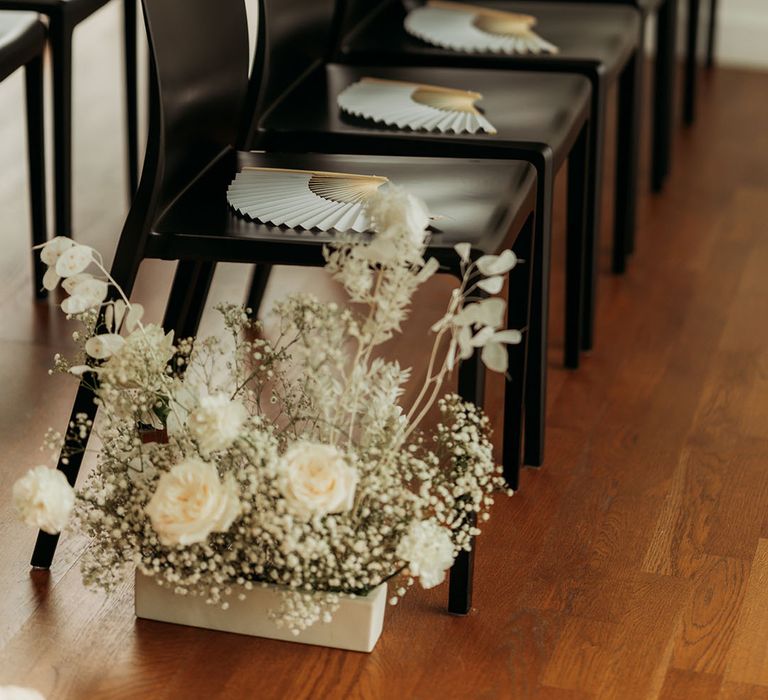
pixel 414 106
pixel 462 27
pixel 303 198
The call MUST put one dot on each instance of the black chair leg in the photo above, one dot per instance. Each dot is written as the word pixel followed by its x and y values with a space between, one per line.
pixel 131 95
pixel 259 280
pixel 639 99
pixel 472 389
pixel 578 164
pixel 628 132
pixel 712 34
pixel 518 316
pixel 592 238
pixel 691 62
pixel 124 273
pixel 536 386
pixel 36 152
pixel 45 547
pixel 61 49
pixel 189 292
pixel 663 107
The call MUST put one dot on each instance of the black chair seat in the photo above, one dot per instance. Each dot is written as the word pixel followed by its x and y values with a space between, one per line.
pixel 22 37
pixel 479 202
pixel 586 35
pixel 77 10
pixel 528 110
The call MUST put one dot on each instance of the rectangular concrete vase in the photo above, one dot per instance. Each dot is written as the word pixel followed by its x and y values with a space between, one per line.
pixel 355 626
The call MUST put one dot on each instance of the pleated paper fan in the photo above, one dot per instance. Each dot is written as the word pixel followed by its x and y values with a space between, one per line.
pixel 304 199
pixel 415 106
pixel 473 29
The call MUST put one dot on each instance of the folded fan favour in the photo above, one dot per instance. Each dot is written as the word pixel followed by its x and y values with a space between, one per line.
pixel 415 106
pixel 304 199
pixel 463 27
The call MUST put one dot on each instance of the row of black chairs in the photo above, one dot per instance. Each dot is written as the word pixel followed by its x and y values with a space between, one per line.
pixel 208 120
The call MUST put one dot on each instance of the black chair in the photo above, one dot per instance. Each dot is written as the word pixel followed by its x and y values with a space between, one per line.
pixel 601 43
pixel 663 84
pixel 298 112
pixel 692 52
pixel 711 34
pixel 63 17
pixel 22 41
pixel 180 212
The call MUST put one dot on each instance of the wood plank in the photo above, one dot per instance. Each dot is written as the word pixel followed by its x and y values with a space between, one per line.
pixel 684 685
pixel 710 616
pixel 748 657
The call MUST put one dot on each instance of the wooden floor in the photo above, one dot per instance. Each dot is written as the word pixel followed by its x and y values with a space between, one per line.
pixel 634 565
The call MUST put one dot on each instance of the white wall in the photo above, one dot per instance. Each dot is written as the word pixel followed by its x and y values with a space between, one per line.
pixel 742 38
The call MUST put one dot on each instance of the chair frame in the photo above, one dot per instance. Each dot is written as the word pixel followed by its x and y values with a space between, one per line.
pixel 35 125
pixel 692 53
pixel 629 82
pixel 164 181
pixel 263 95
pixel 62 21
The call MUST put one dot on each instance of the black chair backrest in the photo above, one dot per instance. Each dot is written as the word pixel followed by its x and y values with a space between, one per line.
pixel 297 35
pixel 199 55
pixel 357 11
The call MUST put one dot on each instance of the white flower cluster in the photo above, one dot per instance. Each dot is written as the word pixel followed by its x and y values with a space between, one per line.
pixel 244 461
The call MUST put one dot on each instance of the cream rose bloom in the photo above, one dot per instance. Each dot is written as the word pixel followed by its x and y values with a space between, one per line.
pixel 428 549
pixel 216 422
pixel 191 502
pixel 44 499
pixel 316 480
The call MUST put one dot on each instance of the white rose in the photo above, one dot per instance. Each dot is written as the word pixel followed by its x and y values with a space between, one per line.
pixel 216 422
pixel 15 692
pixel 428 549
pixel 316 480
pixel 191 502
pixel 44 499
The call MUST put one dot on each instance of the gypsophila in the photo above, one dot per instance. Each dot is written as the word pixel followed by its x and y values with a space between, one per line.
pixel 231 462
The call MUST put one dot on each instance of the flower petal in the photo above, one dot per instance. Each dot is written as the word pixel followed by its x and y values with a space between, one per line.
pixel 490 312
pixel 464 339
pixel 80 370
pixel 494 357
pixel 75 304
pixel 482 337
pixel 119 306
pixel 463 250
pixel 497 264
pixel 511 337
pixel 492 285
pixel 70 284
pixel 54 248
pixel 100 347
pixel 134 315
pixel 50 279
pixel 429 269
pixel 74 260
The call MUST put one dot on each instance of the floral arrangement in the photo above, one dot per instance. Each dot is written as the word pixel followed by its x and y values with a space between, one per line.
pixel 230 462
